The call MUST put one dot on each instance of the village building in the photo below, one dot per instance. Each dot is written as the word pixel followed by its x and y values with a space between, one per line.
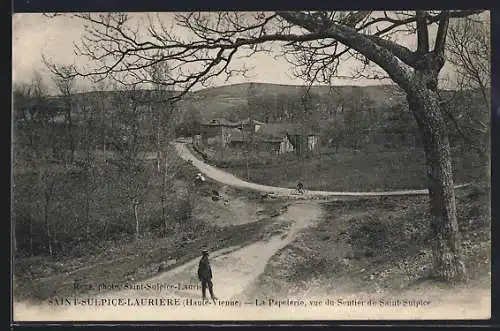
pixel 260 141
pixel 278 138
pixel 217 132
pixel 303 139
pixel 293 137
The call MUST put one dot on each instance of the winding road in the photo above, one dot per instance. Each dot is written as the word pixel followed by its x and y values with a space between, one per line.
pixel 231 180
pixel 235 270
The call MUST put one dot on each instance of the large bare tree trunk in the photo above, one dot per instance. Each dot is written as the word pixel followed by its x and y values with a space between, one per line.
pixel 447 256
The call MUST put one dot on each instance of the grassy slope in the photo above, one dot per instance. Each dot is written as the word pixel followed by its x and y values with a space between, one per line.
pixel 348 171
pixel 381 245
pixel 220 101
pixel 132 261
pixel 125 259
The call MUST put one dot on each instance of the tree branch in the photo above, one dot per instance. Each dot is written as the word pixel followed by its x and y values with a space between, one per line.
pixel 440 43
pixel 363 44
pixel 422 32
pixel 214 39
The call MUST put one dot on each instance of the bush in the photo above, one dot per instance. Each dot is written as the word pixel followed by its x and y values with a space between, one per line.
pixel 110 215
pixel 371 233
pixel 477 191
pixel 378 235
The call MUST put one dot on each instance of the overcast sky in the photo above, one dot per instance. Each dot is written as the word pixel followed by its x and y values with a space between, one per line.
pixel 35 34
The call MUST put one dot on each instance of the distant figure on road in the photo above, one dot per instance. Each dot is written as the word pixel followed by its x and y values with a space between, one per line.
pixel 300 188
pixel 205 276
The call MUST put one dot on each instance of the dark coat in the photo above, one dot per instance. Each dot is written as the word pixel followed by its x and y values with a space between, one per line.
pixel 204 270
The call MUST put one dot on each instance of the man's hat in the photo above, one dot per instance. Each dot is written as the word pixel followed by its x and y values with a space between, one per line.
pixel 204 251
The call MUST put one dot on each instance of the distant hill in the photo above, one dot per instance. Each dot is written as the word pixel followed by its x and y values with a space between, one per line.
pixel 218 101
pixel 221 101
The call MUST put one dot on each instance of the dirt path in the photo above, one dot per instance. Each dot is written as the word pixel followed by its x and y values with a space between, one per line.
pixel 229 179
pixel 234 269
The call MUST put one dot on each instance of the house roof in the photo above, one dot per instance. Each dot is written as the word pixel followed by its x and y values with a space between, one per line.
pixel 234 124
pixel 221 122
pixel 272 132
pixel 247 121
pixel 238 136
pixel 276 130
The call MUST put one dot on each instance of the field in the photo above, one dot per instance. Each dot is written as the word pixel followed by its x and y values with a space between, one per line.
pixel 350 171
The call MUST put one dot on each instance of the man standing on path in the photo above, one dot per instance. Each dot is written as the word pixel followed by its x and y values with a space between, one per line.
pixel 205 276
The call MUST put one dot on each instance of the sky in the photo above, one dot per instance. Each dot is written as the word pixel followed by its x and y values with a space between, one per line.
pixel 35 34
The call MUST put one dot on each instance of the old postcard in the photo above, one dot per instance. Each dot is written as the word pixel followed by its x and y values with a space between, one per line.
pixel 251 166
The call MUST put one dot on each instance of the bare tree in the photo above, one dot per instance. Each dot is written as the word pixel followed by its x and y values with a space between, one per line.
pixel 469 52
pixel 317 43
pixel 164 115
pixel 356 120
pixel 34 116
pixel 333 126
pixel 128 141
pixel 65 83
pixel 89 106
pixel 253 105
pixel 34 124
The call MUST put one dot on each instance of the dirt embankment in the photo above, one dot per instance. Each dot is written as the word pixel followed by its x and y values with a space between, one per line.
pixel 381 248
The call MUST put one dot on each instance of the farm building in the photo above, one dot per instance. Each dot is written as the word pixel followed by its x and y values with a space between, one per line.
pixel 218 131
pixel 278 138
pixel 260 140
pixel 299 137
